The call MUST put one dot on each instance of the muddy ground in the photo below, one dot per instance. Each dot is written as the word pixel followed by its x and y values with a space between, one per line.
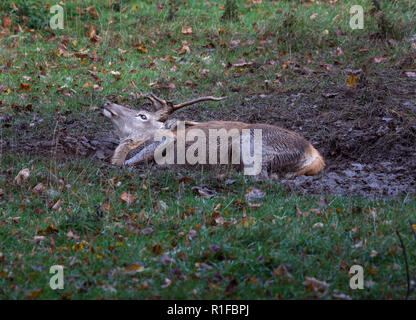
pixel 366 134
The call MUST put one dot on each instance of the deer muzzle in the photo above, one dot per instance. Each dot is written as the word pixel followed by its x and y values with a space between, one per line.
pixel 108 109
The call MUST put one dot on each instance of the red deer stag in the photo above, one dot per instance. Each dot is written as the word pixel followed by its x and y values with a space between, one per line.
pixel 283 152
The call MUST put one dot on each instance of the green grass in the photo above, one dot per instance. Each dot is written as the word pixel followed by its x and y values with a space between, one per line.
pixel 111 257
pixel 281 32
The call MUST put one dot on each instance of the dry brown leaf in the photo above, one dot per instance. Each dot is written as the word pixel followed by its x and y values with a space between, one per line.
pixel 167 283
pixel 134 268
pixel 34 294
pixel 300 213
pixel 282 272
pixel 72 235
pixel 127 197
pixel 352 81
pixel 381 59
pixel 7 22
pixel 22 176
pixel 231 287
pixel 315 285
pixel 192 234
pixel 39 188
pixel 247 221
pixel 24 86
pixel 147 231
pixel 142 48
pixel 186 30
pixel 254 193
pixel 91 11
pixel 185 48
pixel 57 205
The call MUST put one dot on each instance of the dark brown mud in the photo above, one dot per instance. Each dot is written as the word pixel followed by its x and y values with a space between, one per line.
pixel 367 135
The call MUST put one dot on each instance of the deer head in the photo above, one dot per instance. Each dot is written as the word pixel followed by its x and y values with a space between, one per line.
pixel 131 123
pixel 136 127
pixel 140 124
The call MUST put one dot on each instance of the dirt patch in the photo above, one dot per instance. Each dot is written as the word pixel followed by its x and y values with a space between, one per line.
pixel 367 135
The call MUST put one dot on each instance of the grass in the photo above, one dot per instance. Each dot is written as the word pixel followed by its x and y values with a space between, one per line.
pixel 203 249
pixel 112 249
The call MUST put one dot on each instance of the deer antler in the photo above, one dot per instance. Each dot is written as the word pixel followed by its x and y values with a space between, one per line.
pixel 166 108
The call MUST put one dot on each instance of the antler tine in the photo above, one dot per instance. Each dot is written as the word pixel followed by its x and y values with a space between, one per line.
pixel 161 101
pixel 157 102
pixel 167 107
pixel 187 103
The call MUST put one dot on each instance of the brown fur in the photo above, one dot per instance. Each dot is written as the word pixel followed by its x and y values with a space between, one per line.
pixel 314 167
pixel 284 152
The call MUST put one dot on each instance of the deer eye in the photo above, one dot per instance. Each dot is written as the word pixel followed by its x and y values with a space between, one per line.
pixel 142 116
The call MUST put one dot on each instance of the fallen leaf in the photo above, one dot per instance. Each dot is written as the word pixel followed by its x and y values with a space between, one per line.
pixel 186 30
pixel 341 296
pixel 185 48
pixel 330 94
pixel 352 81
pixel 7 22
pixel 192 234
pixel 253 193
pixel 142 48
pixel 127 197
pixel 204 192
pixel 300 213
pixel 51 229
pixel 319 287
pixel 147 231
pixel 34 294
pixel 22 176
pixel 91 11
pixel 167 283
pixel 246 222
pixel 157 249
pixel 282 272
pixel 134 268
pixel 166 259
pixel 72 235
pixel 231 287
pixel 57 205
pixel 318 225
pixel 39 188
pixel 24 86
pixel 381 59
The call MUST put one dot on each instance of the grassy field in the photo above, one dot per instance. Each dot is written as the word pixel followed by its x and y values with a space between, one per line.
pixel 137 234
